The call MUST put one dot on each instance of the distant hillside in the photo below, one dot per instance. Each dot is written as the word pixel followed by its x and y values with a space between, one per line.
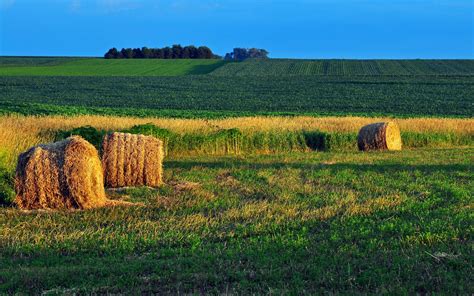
pixel 346 67
pixel 103 67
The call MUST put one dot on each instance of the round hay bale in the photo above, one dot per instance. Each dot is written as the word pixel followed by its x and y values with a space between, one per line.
pixel 61 175
pixel 380 136
pixel 132 160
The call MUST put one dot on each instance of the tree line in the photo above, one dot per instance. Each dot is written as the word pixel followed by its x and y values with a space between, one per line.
pixel 174 52
pixel 188 52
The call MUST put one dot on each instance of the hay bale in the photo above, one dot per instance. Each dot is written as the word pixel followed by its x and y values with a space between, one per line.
pixel 380 136
pixel 132 160
pixel 61 175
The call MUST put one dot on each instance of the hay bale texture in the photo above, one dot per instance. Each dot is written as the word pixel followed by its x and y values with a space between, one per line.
pixel 61 175
pixel 380 136
pixel 132 160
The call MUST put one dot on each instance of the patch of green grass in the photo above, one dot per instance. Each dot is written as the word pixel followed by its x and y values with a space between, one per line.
pixel 116 67
pixel 334 222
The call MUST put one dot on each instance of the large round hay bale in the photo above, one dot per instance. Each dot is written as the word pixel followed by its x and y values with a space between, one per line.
pixel 61 175
pixel 132 160
pixel 380 136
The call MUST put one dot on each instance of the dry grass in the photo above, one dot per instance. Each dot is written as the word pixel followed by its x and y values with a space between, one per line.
pixel 61 175
pixel 132 160
pixel 17 133
pixel 380 136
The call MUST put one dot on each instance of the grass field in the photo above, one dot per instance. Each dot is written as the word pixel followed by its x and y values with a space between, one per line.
pixel 280 204
pixel 103 67
pixel 398 223
pixel 272 87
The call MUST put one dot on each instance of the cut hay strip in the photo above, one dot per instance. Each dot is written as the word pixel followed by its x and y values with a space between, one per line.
pixel 62 175
pixel 380 136
pixel 132 160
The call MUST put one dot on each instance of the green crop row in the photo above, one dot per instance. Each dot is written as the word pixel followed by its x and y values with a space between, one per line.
pixel 329 95
pixel 278 67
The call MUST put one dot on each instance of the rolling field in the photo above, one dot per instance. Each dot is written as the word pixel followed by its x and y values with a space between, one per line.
pixel 103 67
pixel 207 95
pixel 284 67
pixel 271 87
pixel 251 204
pixel 396 223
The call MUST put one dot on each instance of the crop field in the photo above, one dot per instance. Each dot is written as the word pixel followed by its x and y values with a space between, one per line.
pixel 265 191
pixel 198 94
pixel 273 87
pixel 285 67
pixel 103 67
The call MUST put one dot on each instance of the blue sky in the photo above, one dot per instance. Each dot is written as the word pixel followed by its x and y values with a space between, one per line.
pixel 293 29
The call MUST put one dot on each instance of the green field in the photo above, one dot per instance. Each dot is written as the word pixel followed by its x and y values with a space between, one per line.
pixel 103 67
pixel 142 88
pixel 274 205
pixel 52 66
pixel 197 94
pixel 283 67
pixel 396 223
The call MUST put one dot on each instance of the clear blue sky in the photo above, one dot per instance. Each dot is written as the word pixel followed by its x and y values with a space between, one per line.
pixel 286 28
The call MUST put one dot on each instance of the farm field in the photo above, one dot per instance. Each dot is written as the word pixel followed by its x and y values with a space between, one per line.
pixel 213 96
pixel 350 222
pixel 103 67
pixel 212 88
pixel 265 190
pixel 347 67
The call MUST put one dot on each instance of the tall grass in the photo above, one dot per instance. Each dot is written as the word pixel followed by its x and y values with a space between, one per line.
pixel 232 135
pixel 235 141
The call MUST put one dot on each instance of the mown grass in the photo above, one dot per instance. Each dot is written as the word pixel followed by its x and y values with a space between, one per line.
pixel 103 67
pixel 343 222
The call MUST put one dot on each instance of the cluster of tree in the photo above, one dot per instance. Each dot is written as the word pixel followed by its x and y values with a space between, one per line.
pixel 174 52
pixel 240 54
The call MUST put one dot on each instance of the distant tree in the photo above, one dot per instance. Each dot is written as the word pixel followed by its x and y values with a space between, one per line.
pixel 137 53
pixel 127 53
pixel 167 53
pixel 193 52
pixel 186 54
pixel 255 53
pixel 177 51
pixel 240 54
pixel 229 56
pixel 204 52
pixel 147 53
pixel 112 54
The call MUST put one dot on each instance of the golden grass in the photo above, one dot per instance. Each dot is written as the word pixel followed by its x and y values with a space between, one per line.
pixel 17 133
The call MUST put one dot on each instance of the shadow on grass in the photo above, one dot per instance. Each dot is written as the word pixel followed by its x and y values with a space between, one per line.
pixel 205 69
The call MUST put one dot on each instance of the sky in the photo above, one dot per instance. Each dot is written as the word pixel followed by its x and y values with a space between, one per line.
pixel 359 29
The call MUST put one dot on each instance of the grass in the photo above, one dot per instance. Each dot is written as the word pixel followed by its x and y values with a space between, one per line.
pixel 103 67
pixel 344 222
pixel 231 135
